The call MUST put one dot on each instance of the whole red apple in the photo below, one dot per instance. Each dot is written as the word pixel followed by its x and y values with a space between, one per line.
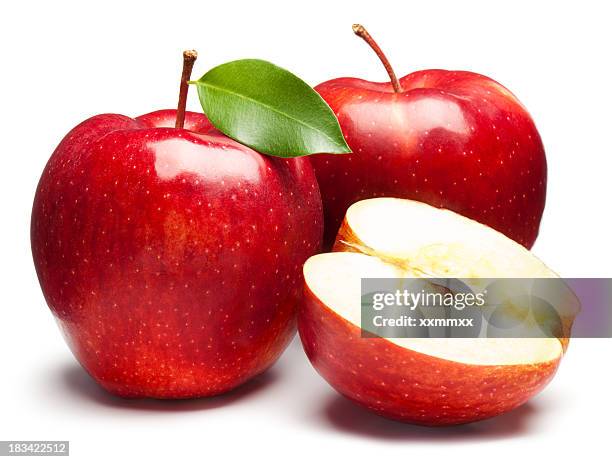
pixel 453 139
pixel 172 257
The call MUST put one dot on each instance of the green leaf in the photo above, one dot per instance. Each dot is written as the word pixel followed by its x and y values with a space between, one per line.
pixel 269 109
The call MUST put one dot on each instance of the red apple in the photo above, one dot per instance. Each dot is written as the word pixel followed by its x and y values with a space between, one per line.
pixel 428 381
pixel 172 257
pixel 452 139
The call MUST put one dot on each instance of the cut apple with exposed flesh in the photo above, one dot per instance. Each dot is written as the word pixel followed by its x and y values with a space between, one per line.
pixel 429 381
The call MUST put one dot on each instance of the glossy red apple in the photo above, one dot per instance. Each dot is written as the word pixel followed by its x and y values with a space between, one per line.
pixel 172 257
pixel 452 139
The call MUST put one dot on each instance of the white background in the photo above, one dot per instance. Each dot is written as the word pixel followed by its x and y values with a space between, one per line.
pixel 63 62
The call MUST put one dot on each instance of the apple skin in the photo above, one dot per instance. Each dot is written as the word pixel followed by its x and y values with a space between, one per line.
pixel 172 258
pixel 408 386
pixel 452 139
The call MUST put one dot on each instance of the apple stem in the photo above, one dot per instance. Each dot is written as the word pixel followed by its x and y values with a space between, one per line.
pixel 189 57
pixel 361 31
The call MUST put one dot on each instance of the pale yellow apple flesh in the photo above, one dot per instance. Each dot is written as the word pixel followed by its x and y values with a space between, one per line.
pixel 335 278
pixel 435 241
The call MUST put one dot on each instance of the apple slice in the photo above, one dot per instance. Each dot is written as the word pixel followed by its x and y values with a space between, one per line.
pixel 424 381
pixel 438 241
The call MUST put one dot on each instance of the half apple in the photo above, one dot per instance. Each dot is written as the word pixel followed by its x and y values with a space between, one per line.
pixel 429 381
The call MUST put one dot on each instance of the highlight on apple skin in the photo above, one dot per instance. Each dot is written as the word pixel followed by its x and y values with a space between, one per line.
pixel 424 381
pixel 171 257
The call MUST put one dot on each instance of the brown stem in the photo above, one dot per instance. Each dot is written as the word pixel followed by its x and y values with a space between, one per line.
pixel 361 31
pixel 189 57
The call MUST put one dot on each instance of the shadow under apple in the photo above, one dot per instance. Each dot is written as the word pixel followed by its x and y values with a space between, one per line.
pixel 78 382
pixel 345 416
